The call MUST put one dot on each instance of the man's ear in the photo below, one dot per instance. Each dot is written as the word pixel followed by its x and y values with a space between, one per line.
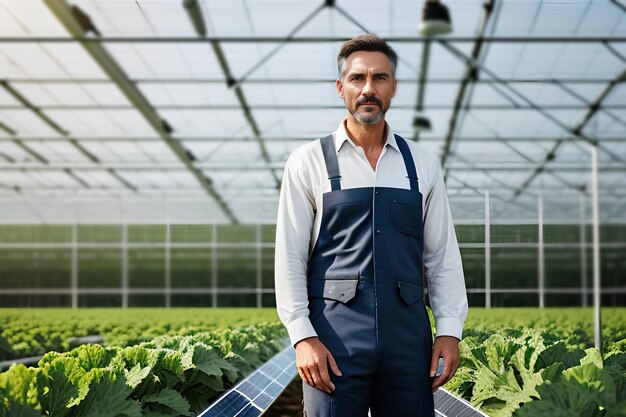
pixel 339 88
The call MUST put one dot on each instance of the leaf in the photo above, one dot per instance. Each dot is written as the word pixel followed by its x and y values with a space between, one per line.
pixel 19 384
pixel 19 410
pixel 208 361
pixel 589 371
pixel 171 399
pixel 58 384
pixel 558 353
pixel 93 356
pixel 108 397
pixel 136 375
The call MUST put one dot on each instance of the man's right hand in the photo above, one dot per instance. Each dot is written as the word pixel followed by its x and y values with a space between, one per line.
pixel 312 361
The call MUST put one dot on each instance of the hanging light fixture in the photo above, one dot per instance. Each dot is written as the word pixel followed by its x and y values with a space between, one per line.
pixel 435 19
pixel 421 123
pixel 195 15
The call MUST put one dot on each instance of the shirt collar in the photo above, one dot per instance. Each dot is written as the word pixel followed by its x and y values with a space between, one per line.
pixel 341 137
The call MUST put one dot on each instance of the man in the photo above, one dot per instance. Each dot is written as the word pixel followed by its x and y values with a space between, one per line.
pixel 363 214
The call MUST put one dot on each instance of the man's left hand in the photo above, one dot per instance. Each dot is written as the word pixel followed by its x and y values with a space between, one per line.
pixel 446 347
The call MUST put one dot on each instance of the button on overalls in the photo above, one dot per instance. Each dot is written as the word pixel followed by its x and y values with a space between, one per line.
pixel 365 291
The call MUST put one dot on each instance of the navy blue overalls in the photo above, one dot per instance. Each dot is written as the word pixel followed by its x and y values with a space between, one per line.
pixel 366 301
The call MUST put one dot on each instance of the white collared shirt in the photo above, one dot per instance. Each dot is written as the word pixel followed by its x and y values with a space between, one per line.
pixel 305 180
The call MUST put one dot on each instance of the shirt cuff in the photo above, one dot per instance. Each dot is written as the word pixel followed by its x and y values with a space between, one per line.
pixel 299 329
pixel 449 326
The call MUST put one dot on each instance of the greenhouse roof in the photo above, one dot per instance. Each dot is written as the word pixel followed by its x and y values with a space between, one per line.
pixel 120 111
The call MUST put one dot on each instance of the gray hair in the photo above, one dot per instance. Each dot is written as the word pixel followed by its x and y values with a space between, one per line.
pixel 369 42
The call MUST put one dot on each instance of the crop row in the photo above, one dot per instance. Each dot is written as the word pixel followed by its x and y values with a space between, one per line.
pixel 33 332
pixel 168 376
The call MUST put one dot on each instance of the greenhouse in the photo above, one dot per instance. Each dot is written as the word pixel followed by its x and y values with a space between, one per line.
pixel 143 146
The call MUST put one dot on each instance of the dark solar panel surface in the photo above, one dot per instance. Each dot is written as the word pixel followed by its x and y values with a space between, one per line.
pixel 449 405
pixel 252 396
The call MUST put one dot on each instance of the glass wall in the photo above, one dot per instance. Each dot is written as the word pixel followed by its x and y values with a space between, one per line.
pixel 531 262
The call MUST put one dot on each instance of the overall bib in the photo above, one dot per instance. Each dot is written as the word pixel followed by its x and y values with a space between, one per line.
pixel 366 298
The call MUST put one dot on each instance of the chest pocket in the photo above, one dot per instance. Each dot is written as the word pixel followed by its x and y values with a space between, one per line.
pixel 406 217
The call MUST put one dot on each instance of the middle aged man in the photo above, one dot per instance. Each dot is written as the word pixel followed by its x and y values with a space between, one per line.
pixel 362 215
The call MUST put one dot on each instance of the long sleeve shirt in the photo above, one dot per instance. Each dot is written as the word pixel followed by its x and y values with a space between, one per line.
pixel 304 182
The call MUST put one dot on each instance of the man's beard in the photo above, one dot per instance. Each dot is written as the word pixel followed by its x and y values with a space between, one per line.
pixel 368 118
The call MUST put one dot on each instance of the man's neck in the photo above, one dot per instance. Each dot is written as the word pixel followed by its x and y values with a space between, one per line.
pixel 368 137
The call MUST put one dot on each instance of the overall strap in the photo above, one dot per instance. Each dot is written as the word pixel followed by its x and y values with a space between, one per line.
pixel 332 165
pixel 408 162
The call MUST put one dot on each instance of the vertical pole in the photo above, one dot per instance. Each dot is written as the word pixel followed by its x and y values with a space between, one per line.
pixel 583 250
pixel 168 269
pixel 124 265
pixel 542 272
pixel 596 248
pixel 487 251
pixel 74 266
pixel 214 267
pixel 259 276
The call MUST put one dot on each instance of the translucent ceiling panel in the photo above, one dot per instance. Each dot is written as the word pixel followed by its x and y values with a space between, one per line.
pixel 439 121
pixel 248 178
pixel 58 151
pixel 71 94
pixel 587 60
pixel 26 123
pixel 406 95
pixel 11 152
pixel 301 123
pixel 19 179
pixel 147 178
pixel 139 18
pixel 280 150
pixel 189 94
pixel 207 123
pixel 516 123
pixel 166 60
pixel 7 99
pixel 442 64
pixel 28 18
pixel 498 152
pixel 547 94
pixel 293 94
pixel 158 151
pixel 102 123
pixel 256 18
pixel 54 179
pixel 293 60
pixel 225 152
pixel 96 178
pixel 617 96
pixel 607 125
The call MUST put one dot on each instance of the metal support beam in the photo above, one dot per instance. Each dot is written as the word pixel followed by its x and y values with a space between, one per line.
pixel 595 209
pixel 583 249
pixel 487 250
pixel 471 73
pixel 541 254
pixel 101 56
pixel 259 166
pixel 306 39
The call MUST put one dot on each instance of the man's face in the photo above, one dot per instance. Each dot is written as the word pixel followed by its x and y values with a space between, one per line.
pixel 367 86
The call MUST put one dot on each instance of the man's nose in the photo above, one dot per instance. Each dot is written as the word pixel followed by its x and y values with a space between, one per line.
pixel 368 88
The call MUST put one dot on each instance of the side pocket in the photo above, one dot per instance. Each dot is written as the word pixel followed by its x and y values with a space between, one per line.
pixel 342 290
pixel 410 293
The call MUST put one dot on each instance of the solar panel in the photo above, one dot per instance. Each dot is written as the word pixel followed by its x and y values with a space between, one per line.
pixel 253 396
pixel 449 405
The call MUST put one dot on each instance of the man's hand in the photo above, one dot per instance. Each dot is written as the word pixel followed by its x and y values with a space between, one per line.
pixel 446 347
pixel 312 360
